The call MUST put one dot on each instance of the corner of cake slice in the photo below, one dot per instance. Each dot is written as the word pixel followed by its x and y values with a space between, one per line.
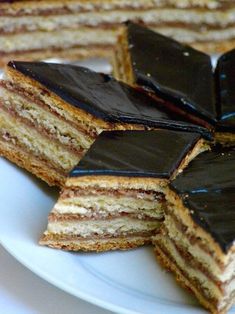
pixel 114 198
pixel 51 113
pixel 175 74
pixel 196 240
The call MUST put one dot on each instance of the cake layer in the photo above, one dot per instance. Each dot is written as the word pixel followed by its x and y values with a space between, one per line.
pixel 18 8
pixel 110 202
pixel 97 245
pixel 191 19
pixel 58 39
pixel 115 227
pixel 85 36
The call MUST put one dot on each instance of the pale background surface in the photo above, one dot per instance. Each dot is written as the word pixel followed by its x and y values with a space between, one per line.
pixel 22 292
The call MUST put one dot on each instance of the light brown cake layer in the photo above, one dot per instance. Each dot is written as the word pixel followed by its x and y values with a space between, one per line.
pixel 85 36
pixel 71 54
pixel 68 6
pixel 100 245
pixel 192 18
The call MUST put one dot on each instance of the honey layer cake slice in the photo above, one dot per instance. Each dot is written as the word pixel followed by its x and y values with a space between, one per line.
pixel 177 74
pixel 51 113
pixel 181 77
pixel 196 241
pixel 114 198
pixel 72 29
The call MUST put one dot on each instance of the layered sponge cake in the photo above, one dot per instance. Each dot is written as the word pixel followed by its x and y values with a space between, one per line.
pixel 114 198
pixel 181 77
pixel 73 29
pixel 50 114
pixel 196 241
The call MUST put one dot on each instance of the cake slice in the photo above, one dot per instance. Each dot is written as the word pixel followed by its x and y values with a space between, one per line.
pixel 197 237
pixel 178 75
pixel 50 114
pixel 114 198
pixel 73 29
pixel 225 74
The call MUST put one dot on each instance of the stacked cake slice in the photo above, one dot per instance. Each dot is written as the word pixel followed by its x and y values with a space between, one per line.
pixel 181 77
pixel 197 237
pixel 51 113
pixel 83 28
pixel 114 198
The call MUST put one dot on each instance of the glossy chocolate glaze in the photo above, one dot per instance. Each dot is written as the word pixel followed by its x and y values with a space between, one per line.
pixel 173 71
pixel 207 188
pixel 136 153
pixel 103 96
pixel 225 77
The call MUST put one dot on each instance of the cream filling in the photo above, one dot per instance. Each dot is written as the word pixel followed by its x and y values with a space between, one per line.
pixel 181 239
pixel 112 227
pixel 105 205
pixel 151 16
pixel 63 131
pixel 17 132
pixel 63 38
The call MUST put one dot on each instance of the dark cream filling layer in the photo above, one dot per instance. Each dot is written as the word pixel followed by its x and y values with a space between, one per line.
pixel 45 121
pixel 25 137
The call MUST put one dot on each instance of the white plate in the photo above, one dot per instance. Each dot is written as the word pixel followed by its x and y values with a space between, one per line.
pixel 123 282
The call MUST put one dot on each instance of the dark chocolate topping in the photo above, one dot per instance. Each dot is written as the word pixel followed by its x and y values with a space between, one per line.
pixel 173 71
pixel 207 188
pixel 225 76
pixel 103 96
pixel 136 153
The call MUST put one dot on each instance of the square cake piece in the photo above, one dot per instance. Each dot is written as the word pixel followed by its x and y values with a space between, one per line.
pixel 181 77
pixel 114 198
pixel 50 114
pixel 178 75
pixel 196 241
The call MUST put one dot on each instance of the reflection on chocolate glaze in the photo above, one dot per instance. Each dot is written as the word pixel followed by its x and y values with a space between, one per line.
pixel 136 153
pixel 103 96
pixel 225 77
pixel 173 71
pixel 207 188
